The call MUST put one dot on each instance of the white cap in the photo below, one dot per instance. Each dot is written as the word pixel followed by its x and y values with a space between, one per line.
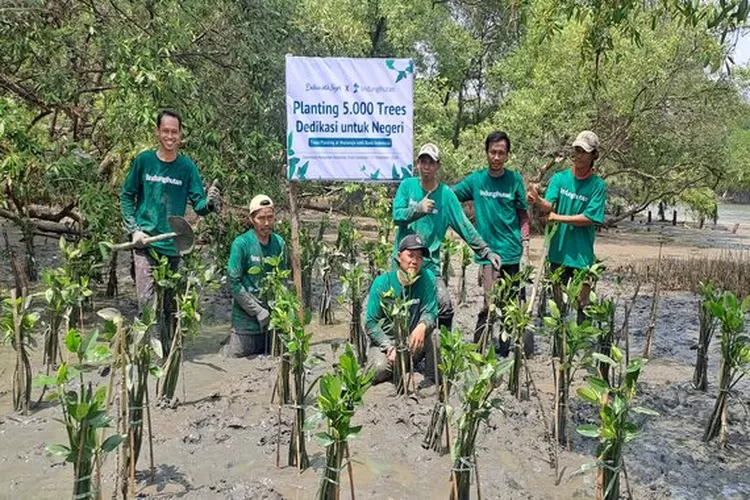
pixel 260 201
pixel 587 140
pixel 430 150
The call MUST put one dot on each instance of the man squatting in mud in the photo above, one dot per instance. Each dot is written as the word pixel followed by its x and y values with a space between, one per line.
pixel 428 208
pixel 575 198
pixel 411 281
pixel 250 315
pixel 160 183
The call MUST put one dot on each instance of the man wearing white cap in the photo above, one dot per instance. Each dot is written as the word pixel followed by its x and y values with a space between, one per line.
pixel 250 314
pixel 427 207
pixel 575 199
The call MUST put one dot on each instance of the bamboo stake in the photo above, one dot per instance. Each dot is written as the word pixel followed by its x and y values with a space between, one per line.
pixel 351 472
pixel 150 436
pixel 476 473
pixel 654 306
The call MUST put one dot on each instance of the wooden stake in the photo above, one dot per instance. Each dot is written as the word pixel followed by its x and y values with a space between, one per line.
pixel 150 436
pixel 476 473
pixel 296 246
pixel 654 307
pixel 349 467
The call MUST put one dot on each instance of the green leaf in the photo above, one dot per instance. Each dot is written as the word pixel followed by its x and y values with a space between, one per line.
pixel 588 394
pixel 604 359
pixel 324 439
pixel 302 172
pixel 588 430
pixel 112 442
pixel 58 450
pixel 645 411
pixel 73 341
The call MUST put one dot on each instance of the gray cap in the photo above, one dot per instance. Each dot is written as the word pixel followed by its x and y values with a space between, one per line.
pixel 413 242
pixel 430 150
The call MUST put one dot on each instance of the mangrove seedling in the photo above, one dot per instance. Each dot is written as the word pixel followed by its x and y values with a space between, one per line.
pixel 378 256
pixel 449 248
pixel 516 322
pixel 454 356
pixel 198 278
pixel 17 323
pixel 83 414
pixel 329 268
pixel 483 374
pixel 340 394
pixel 398 312
pixel 62 294
pixel 285 319
pixel 577 344
pixel 354 286
pixel 466 257
pixel 735 358
pixel 602 313
pixel 615 427
pixel 166 284
pixel 707 326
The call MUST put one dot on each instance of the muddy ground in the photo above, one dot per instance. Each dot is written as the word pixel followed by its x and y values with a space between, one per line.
pixel 221 441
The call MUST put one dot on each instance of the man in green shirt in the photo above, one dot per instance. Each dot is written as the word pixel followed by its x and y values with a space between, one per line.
pixel 159 184
pixel 250 314
pixel 502 219
pixel 575 199
pixel 410 281
pixel 427 207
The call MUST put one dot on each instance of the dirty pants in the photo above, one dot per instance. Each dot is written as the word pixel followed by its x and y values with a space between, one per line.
pixel 445 304
pixel 490 276
pixel 242 345
pixel 378 360
pixel 144 264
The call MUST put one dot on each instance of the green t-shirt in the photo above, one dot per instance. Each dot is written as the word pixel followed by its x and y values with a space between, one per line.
pixel 246 253
pixel 154 190
pixel 574 246
pixel 496 204
pixel 446 213
pixel 424 310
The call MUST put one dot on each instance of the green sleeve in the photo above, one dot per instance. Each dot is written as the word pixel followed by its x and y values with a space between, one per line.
pixel 462 225
pixel 129 195
pixel 235 272
pixel 403 214
pixel 374 316
pixel 595 208
pixel 553 190
pixel 520 199
pixel 429 302
pixel 464 190
pixel 197 194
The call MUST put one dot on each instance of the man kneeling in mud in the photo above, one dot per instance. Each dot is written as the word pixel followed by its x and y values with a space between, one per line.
pixel 410 282
pixel 250 315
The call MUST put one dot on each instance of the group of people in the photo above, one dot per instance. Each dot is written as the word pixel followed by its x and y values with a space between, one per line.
pixel 160 183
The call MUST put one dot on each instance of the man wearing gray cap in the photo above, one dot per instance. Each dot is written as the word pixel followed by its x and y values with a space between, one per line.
pixel 409 281
pixel 250 315
pixel 427 207
pixel 575 198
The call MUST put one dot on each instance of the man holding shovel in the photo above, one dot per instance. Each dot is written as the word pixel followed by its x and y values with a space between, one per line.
pixel 502 219
pixel 250 314
pixel 160 184
pixel 428 208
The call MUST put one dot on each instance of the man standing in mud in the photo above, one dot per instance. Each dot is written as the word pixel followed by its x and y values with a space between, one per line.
pixel 428 208
pixel 411 281
pixel 250 314
pixel 575 200
pixel 160 183
pixel 502 220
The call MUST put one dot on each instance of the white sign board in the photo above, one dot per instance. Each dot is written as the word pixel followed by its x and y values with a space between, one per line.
pixel 349 119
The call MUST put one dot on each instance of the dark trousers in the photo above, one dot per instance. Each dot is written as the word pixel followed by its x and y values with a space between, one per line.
pixel 490 276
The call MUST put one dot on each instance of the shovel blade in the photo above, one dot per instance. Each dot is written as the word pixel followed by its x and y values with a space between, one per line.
pixel 184 239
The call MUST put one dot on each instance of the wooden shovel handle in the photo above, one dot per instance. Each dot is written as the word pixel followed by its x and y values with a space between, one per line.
pixel 146 242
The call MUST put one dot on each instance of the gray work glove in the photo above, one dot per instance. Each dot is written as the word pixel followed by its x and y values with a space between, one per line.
pixel 138 238
pixel 264 318
pixel 214 196
pixel 495 260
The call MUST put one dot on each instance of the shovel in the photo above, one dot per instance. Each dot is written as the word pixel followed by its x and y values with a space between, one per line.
pixel 182 233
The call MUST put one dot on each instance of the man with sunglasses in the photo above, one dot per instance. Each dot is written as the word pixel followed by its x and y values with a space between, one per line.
pixel 428 208
pixel 250 314
pixel 575 199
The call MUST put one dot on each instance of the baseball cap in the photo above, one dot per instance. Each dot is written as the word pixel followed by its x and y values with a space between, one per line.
pixel 412 242
pixel 587 140
pixel 430 150
pixel 260 201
